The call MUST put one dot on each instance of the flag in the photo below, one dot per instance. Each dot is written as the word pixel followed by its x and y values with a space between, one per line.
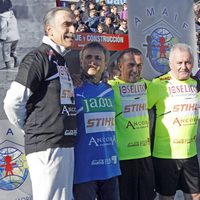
pixel 155 26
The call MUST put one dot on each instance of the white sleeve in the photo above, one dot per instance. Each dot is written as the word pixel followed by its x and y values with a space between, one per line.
pixel 15 103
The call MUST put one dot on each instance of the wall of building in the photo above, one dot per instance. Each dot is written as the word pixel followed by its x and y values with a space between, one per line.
pixel 32 9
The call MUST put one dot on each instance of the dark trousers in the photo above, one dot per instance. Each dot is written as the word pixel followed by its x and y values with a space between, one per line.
pixel 102 190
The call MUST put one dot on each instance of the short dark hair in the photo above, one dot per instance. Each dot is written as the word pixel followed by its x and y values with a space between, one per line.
pixel 95 45
pixel 133 51
pixel 109 16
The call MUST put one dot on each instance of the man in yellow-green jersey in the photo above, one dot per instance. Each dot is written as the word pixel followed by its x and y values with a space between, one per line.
pixel 132 128
pixel 175 98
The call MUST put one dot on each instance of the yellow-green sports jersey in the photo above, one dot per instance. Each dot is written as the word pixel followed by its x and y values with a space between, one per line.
pixel 131 119
pixel 176 105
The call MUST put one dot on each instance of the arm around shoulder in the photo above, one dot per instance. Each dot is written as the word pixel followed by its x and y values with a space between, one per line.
pixel 152 93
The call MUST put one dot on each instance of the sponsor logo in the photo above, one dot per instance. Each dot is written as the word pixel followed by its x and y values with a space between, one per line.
pixel 137 125
pixel 132 89
pixel 102 141
pixel 99 122
pixel 135 107
pixel 185 121
pixel 139 143
pixel 182 90
pixel 71 132
pixel 185 107
pixel 97 104
pixel 184 141
pixel 107 161
pixel 69 110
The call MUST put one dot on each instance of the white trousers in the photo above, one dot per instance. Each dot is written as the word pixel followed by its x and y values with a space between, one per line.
pixel 51 173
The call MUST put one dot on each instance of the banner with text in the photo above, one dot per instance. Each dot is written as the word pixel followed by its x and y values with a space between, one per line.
pixel 113 42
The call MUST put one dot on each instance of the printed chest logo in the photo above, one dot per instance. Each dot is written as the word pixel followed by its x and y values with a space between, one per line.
pixel 102 141
pixel 182 103
pixel 98 114
pixel 105 161
pixel 181 90
pixel 133 99
pixel 97 104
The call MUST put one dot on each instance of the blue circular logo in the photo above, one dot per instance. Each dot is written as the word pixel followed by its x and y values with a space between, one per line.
pixel 158 46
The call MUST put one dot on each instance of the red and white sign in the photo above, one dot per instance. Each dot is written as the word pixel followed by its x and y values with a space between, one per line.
pixel 113 42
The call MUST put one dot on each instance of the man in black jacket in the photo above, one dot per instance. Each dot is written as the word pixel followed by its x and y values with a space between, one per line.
pixel 41 102
pixel 123 29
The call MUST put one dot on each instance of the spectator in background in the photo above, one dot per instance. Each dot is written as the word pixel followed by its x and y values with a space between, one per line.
pixel 78 18
pixel 82 28
pixel 76 12
pixel 197 16
pixel 108 26
pixel 100 5
pixel 79 3
pixel 84 12
pixel 9 34
pixel 100 29
pixel 197 11
pixel 91 6
pixel 197 26
pixel 92 21
pixel 115 16
pixel 124 12
pixel 123 29
pixel 106 9
pixel 102 16
pixel 73 7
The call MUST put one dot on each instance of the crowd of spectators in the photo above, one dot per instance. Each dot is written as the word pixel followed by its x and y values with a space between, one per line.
pixel 100 18
pixel 197 20
pixel 197 25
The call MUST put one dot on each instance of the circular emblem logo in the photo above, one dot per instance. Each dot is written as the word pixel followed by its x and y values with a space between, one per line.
pixel 13 168
pixel 158 46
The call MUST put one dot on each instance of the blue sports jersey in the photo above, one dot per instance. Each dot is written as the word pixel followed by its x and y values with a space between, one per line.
pixel 95 147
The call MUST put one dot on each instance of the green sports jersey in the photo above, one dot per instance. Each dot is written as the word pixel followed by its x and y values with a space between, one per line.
pixel 177 105
pixel 131 119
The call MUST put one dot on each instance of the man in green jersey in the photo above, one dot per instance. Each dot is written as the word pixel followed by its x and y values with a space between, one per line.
pixel 132 128
pixel 175 97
